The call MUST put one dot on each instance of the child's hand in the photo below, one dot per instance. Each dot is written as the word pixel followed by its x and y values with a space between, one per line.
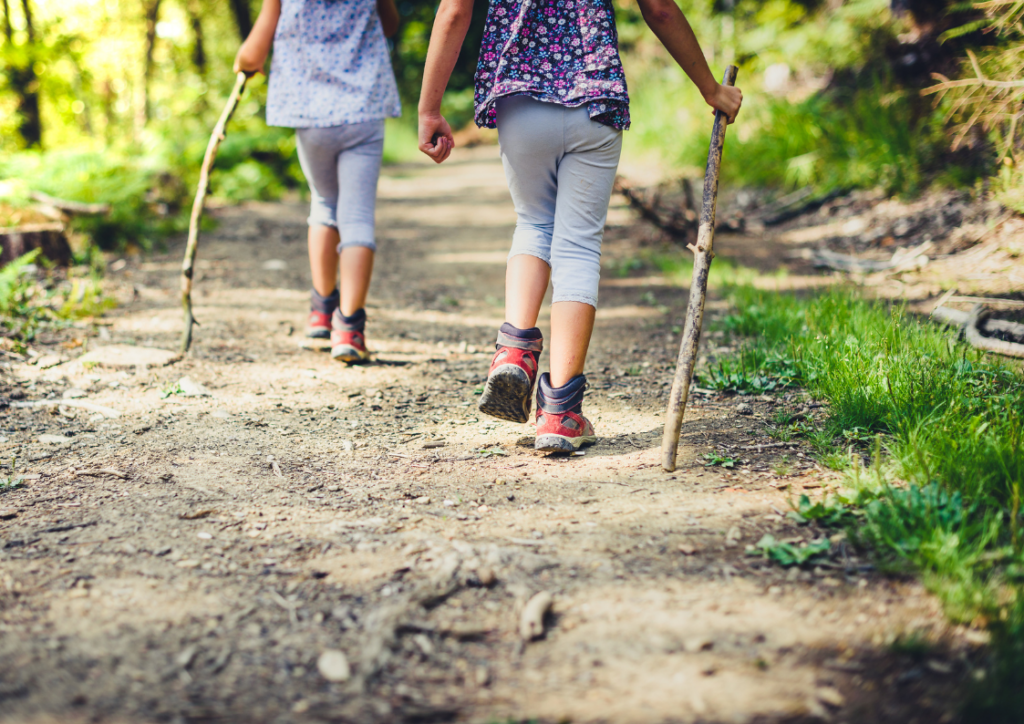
pixel 249 60
pixel 727 99
pixel 435 136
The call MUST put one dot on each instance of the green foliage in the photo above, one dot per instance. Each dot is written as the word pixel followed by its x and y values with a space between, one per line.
pixel 988 93
pixel 28 303
pixel 750 371
pixel 20 315
pixel 786 554
pixel 491 452
pixel 11 482
pixel 714 459
pixel 870 137
pixel 173 388
pixel 945 498
pixel 14 287
pixel 833 512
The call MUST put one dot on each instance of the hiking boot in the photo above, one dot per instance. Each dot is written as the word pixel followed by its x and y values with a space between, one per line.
pixel 509 388
pixel 318 326
pixel 348 343
pixel 561 426
pixel 320 310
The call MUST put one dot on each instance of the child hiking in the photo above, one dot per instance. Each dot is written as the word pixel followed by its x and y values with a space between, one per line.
pixel 549 78
pixel 331 80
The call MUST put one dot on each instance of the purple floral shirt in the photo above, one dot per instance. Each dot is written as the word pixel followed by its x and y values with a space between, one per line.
pixel 557 51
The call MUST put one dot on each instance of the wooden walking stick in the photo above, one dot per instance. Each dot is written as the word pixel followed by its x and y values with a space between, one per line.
pixel 197 207
pixel 702 256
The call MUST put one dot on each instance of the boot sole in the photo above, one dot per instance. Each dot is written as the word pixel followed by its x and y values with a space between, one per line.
pixel 561 443
pixel 349 354
pixel 507 395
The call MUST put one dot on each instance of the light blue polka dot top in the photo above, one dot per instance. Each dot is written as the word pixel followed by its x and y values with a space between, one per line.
pixel 330 66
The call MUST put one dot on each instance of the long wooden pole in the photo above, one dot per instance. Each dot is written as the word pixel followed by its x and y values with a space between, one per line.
pixel 197 208
pixel 702 256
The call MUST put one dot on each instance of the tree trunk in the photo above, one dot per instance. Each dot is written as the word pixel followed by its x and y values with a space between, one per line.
pixel 23 81
pixel 21 240
pixel 152 11
pixel 193 9
pixel 243 17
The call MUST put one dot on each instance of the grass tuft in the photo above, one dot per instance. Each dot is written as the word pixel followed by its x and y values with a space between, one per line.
pixel 943 427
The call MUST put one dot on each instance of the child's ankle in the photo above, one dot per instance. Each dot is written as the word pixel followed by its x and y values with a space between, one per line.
pixel 355 322
pixel 566 398
pixel 514 331
pixel 322 304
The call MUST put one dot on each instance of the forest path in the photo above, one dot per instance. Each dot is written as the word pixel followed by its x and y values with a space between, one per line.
pixel 305 506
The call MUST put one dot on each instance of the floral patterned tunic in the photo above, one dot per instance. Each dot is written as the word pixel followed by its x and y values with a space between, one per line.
pixel 331 66
pixel 556 51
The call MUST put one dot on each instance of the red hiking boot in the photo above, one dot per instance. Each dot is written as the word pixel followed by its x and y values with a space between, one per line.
pixel 509 386
pixel 348 343
pixel 318 326
pixel 561 426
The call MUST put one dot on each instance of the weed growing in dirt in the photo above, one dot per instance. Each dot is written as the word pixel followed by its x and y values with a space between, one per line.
pixel 11 482
pixel 713 459
pixel 947 424
pixel 491 452
pixel 30 301
pixel 173 388
pixel 783 467
pixel 750 371
pixel 787 554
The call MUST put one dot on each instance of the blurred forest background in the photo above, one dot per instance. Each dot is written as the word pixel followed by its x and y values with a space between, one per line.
pixel 113 100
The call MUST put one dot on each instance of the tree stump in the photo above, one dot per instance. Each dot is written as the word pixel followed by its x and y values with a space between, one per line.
pixel 49 238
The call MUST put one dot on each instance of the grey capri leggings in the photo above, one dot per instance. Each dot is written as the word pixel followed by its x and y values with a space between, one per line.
pixel 342 165
pixel 560 167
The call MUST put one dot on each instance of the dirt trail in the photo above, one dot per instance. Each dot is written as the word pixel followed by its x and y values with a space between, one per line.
pixel 304 506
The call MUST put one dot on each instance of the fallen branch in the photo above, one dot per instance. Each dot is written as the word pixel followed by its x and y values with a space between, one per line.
pixel 988 344
pixel 677 223
pixel 990 301
pixel 790 207
pixel 959 318
pixel 767 445
pixel 91 406
pixel 901 260
pixel 71 207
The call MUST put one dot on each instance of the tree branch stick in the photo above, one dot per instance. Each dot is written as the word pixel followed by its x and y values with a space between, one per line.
pixel 197 208
pixel 698 290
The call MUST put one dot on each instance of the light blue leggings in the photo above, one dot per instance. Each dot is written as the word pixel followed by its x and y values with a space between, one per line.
pixel 560 167
pixel 342 165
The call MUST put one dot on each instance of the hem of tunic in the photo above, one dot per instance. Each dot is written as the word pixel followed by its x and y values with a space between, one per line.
pixel 481 113
pixel 296 122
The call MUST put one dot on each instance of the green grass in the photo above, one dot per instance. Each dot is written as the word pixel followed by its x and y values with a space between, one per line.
pixel 944 426
pixel 31 300
pixel 713 459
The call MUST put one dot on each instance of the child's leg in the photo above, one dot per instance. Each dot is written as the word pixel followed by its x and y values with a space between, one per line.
pixel 318 156
pixel 358 171
pixel 572 324
pixel 323 259
pixel 526 282
pixel 586 176
pixel 530 134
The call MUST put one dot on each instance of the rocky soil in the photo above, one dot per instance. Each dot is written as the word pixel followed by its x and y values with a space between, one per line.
pixel 280 538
